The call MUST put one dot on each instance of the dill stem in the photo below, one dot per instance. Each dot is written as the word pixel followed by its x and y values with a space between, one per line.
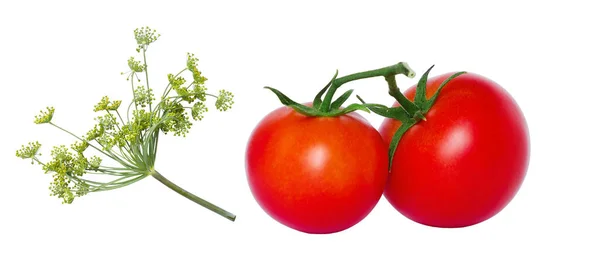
pixel 191 196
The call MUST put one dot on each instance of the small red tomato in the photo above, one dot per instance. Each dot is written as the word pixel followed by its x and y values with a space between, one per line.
pixel 316 174
pixel 466 162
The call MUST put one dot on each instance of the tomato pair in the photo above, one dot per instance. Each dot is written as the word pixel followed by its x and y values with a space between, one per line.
pixel 459 159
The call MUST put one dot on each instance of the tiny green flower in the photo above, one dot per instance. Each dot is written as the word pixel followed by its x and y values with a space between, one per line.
pixel 192 62
pixel 198 111
pixel 179 123
pixel 107 121
pixel 127 134
pixel 199 92
pixel 30 151
pixel 44 116
pixel 175 82
pixel 177 85
pixel 143 96
pixel 61 160
pixel 144 37
pixel 102 105
pixel 80 146
pixel 94 133
pixel 176 119
pixel 106 141
pixel 79 165
pixel 135 66
pixel 141 119
pixel 95 162
pixel 59 187
pixel 224 100
pixel 81 188
pixel 114 105
pixel 198 77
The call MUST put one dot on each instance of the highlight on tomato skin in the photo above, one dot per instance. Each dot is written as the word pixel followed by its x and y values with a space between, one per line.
pixel 317 175
pixel 466 162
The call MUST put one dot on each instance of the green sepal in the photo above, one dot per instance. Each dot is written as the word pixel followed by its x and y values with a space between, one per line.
pixel 305 110
pixel 397 113
pixel 349 109
pixel 396 139
pixel 326 108
pixel 339 101
pixel 318 101
pixel 291 103
pixel 312 111
pixel 430 102
pixel 420 95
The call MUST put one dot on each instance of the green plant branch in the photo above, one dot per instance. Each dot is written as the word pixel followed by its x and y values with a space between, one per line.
pixel 147 80
pixel 191 196
pixel 136 139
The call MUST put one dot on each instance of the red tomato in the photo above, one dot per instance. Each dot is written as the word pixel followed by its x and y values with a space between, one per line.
pixel 466 162
pixel 316 174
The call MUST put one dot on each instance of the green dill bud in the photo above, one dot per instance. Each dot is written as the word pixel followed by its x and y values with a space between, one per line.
pixel 175 82
pixel 119 137
pixel 182 91
pixel 61 156
pixel 81 188
pixel 62 160
pixel 79 165
pixel 29 151
pixel 114 105
pixel 135 66
pixel 106 141
pixel 94 162
pixel 176 120
pixel 80 146
pixel 101 106
pixel 144 37
pixel 94 133
pixel 107 121
pixel 143 96
pixel 66 167
pixel 127 134
pixel 192 66
pixel 224 100
pixel 141 120
pixel 198 77
pixel 44 116
pixel 192 62
pixel 198 111
pixel 199 92
pixel 59 187
pixel 179 124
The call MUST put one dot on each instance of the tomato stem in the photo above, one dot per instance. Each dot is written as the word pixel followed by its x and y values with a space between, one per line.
pixel 399 68
pixel 191 196
pixel 395 92
pixel 330 108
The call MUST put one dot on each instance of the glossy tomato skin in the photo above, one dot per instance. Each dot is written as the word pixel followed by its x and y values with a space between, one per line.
pixel 317 175
pixel 466 162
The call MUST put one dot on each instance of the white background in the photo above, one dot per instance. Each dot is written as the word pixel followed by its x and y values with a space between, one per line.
pixel 69 54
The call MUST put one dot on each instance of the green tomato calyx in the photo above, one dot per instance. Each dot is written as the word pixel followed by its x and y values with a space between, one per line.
pixel 327 107
pixel 409 113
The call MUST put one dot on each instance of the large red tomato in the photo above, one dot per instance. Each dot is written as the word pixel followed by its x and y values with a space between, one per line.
pixel 316 174
pixel 466 162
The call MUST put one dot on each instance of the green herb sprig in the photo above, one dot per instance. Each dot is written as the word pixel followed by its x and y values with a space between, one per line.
pixel 126 144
